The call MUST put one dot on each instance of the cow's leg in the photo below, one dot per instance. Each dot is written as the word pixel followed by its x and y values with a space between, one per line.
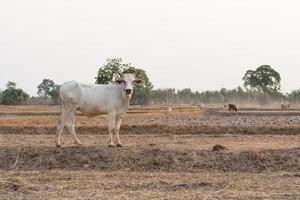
pixel 70 125
pixel 60 128
pixel 118 125
pixel 111 127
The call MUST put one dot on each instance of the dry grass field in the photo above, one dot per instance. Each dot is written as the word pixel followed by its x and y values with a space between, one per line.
pixel 185 153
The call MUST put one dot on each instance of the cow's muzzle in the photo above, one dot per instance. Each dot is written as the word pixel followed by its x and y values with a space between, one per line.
pixel 128 91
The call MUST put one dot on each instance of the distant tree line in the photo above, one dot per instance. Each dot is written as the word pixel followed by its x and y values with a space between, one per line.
pixel 294 96
pixel 47 91
pixel 237 95
pixel 261 86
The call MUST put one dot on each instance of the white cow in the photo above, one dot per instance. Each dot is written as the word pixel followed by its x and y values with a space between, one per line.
pixel 92 100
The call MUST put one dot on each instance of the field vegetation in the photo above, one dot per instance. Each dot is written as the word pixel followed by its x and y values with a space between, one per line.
pixel 170 152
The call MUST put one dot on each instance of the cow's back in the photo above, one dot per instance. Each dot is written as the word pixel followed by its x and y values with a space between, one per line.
pixel 70 92
pixel 90 98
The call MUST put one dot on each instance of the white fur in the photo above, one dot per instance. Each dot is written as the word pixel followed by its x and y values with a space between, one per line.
pixel 91 100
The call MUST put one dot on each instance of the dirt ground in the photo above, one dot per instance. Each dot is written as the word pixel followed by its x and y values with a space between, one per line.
pixel 91 184
pixel 165 155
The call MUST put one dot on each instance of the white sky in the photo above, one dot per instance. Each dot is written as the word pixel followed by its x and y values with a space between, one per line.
pixel 192 43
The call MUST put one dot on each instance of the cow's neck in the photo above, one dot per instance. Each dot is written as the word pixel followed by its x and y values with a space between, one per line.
pixel 126 101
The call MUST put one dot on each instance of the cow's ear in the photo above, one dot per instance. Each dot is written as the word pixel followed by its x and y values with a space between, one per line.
pixel 139 82
pixel 119 81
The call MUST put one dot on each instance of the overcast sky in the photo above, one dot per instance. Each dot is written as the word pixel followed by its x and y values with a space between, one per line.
pixel 193 43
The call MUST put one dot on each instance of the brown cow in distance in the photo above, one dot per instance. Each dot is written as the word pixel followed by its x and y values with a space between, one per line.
pixel 285 106
pixel 230 107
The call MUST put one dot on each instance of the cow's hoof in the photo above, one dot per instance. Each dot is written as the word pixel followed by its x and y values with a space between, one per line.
pixel 110 145
pixel 58 145
pixel 119 145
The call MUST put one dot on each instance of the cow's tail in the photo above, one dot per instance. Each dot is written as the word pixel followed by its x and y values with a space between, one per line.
pixel 60 104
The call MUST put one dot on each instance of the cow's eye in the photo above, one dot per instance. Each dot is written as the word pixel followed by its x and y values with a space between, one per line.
pixel 120 81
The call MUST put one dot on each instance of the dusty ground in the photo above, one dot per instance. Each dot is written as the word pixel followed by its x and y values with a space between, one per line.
pixel 91 184
pixel 166 155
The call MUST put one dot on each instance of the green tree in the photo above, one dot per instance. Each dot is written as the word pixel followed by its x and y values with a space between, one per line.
pixel 111 70
pixel 46 88
pixel 13 96
pixel 185 95
pixel 264 79
pixel 11 84
pixel 54 94
pixel 294 96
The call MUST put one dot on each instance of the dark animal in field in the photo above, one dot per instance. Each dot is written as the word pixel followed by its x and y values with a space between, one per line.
pixel 219 147
pixel 230 107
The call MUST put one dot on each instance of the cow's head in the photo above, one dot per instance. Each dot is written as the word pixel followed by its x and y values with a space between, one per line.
pixel 129 81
